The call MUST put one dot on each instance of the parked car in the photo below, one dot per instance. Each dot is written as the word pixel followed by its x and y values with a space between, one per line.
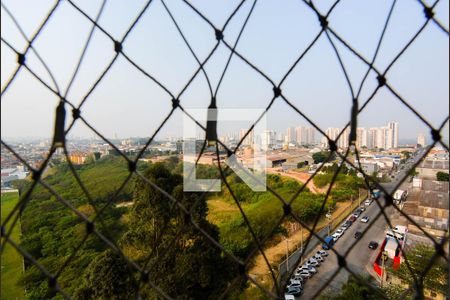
pixel 348 223
pixel 303 273
pixel 373 245
pixel 289 297
pixel 318 257
pixel 340 231
pixel 335 236
pixel 309 268
pixel 329 242
pixel 362 208
pixel 352 218
pixel 298 277
pixel 358 234
pixel 365 219
pixel 294 291
pixel 295 283
pixel 368 202
pixel 322 253
pixel 356 213
pixel 313 262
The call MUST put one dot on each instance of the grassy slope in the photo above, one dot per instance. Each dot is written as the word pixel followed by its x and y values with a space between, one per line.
pixel 11 260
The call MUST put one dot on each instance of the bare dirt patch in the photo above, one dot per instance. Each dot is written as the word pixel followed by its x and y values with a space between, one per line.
pixel 299 176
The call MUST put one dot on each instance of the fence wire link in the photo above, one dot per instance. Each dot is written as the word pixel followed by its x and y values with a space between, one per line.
pixel 93 223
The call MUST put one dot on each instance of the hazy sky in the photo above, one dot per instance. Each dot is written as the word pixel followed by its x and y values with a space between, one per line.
pixel 127 103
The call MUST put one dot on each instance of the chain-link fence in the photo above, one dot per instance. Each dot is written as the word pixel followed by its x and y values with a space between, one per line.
pixel 142 273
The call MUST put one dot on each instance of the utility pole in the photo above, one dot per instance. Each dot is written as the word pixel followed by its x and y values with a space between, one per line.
pixel 287 255
pixel 301 242
pixel 328 216
pixel 383 266
pixel 359 197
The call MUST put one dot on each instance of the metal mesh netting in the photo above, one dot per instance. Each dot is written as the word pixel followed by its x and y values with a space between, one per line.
pixel 144 271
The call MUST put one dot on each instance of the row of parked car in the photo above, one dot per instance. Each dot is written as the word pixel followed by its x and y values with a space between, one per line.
pixel 350 220
pixel 295 285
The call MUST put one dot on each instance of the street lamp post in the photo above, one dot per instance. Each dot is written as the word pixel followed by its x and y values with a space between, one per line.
pixel 383 266
pixel 301 242
pixel 287 254
pixel 328 216
pixel 359 197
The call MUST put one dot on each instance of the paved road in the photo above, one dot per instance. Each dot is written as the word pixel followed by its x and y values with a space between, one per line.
pixel 360 256
pixel 323 233
pixel 357 257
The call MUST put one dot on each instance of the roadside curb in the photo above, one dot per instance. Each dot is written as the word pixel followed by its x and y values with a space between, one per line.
pixel 369 269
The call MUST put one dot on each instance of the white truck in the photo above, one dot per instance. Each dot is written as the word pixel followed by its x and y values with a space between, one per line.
pixel 394 234
pixel 400 195
pixel 391 247
pixel 401 229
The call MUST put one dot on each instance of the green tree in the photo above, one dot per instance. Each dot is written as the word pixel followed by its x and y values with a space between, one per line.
pixel 356 289
pixel 395 291
pixel 442 176
pixel 182 260
pixel 406 154
pixel 322 156
pixel 107 277
pixel 413 172
pixel 419 257
pixel 90 159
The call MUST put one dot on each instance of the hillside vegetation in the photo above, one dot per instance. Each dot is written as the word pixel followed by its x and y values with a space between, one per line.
pixel 52 232
pixel 11 261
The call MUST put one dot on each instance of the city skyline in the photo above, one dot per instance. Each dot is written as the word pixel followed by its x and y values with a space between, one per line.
pixel 220 149
pixel 279 135
pixel 128 104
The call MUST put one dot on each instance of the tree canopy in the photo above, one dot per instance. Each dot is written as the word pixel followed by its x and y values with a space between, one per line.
pixel 419 257
pixel 322 156
pixel 183 261
pixel 356 289
pixel 442 176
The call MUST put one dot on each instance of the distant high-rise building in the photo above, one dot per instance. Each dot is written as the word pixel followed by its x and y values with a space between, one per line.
pixel 361 137
pixel 332 133
pixel 311 133
pixel 421 140
pixel 344 141
pixel 388 138
pixel 290 135
pixel 394 127
pixel 375 137
pixel 299 135
pixel 305 135
pixel 379 137
pixel 242 133
pixel 380 141
pixel 268 138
